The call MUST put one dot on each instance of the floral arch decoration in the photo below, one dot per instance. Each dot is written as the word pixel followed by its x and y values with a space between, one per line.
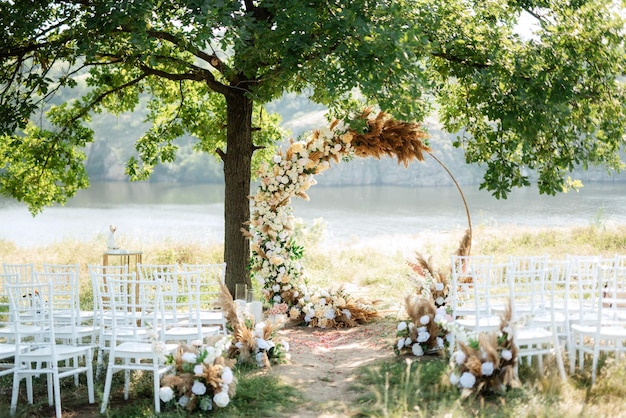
pixel 275 255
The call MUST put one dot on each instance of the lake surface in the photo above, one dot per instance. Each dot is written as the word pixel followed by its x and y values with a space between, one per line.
pixel 145 212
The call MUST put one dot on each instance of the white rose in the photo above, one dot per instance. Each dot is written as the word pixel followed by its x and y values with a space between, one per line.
pixel 408 341
pixel 198 370
pixel 402 326
pixel 454 378
pixel 400 343
pixel 198 388
pixel 166 394
pixel 424 320
pixel 467 380
pixel 189 357
pixel 422 337
pixel 262 344
pixel 417 350
pixel 439 287
pixel 277 159
pixel 507 354
pixel 486 368
pixel 329 313
pixel 183 401
pixel 221 399
pixel 459 357
pixel 227 375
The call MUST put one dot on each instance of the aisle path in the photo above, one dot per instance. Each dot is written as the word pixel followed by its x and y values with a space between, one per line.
pixel 324 363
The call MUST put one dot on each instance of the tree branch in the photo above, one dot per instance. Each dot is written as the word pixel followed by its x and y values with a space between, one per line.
pixel 211 59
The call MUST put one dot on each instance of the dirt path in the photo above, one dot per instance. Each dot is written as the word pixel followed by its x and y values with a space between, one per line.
pixel 324 364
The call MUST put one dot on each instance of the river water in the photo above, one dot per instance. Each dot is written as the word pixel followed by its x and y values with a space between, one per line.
pixel 144 212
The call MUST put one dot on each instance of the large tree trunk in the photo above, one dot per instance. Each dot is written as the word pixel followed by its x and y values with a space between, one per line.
pixel 237 167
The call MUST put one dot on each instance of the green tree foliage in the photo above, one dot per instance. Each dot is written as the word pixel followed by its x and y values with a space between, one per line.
pixel 547 103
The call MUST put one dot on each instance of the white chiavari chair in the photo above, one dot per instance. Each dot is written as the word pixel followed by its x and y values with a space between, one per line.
pixel 136 339
pixel 32 306
pixel 533 321
pixel 207 280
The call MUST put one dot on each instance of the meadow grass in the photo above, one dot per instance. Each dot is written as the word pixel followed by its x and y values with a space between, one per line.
pixel 398 388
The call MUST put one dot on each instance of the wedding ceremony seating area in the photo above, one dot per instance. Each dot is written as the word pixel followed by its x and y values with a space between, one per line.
pixel 137 318
pixel 571 309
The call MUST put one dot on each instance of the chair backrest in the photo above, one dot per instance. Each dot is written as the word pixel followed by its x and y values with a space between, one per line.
pixel 478 284
pixel 530 291
pixel 582 277
pixel 135 307
pixel 5 281
pixel 97 276
pixel 612 293
pixel 207 280
pixel 177 297
pixel 65 288
pixel 25 271
pixel 150 271
pixel 61 268
pixel 30 310
pixel 531 262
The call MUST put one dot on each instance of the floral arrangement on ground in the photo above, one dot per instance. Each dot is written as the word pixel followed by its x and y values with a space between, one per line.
pixel 275 261
pixel 252 343
pixel 426 332
pixel 202 378
pixel 429 329
pixel 486 362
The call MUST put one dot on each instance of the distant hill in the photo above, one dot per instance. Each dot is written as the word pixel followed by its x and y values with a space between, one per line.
pixel 116 136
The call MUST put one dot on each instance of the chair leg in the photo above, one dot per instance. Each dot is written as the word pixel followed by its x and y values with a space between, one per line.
pixel 50 380
pixel 559 358
pixel 75 362
pixel 107 388
pixel 57 391
pixel 594 362
pixel 126 380
pixel 29 388
pixel 156 382
pixel 90 390
pixel 581 358
pixel 571 354
pixel 16 390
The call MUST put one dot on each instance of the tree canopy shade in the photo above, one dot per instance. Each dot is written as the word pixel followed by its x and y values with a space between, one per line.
pixel 544 104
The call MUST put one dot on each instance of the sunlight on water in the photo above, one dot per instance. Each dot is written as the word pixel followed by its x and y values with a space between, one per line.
pixel 386 217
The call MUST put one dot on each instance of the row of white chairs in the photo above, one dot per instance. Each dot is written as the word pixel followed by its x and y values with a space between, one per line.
pixel 575 305
pixel 134 313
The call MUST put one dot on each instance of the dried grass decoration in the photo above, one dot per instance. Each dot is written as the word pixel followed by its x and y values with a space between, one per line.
pixel 432 282
pixel 275 261
pixel 252 343
pixel 486 363
pixel 203 378
pixel 426 332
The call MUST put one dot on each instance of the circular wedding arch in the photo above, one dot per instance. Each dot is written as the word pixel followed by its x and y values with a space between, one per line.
pixel 275 255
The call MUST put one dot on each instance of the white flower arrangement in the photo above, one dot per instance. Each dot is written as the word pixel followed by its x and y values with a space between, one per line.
pixel 426 332
pixel 486 362
pixel 203 377
pixel 330 309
